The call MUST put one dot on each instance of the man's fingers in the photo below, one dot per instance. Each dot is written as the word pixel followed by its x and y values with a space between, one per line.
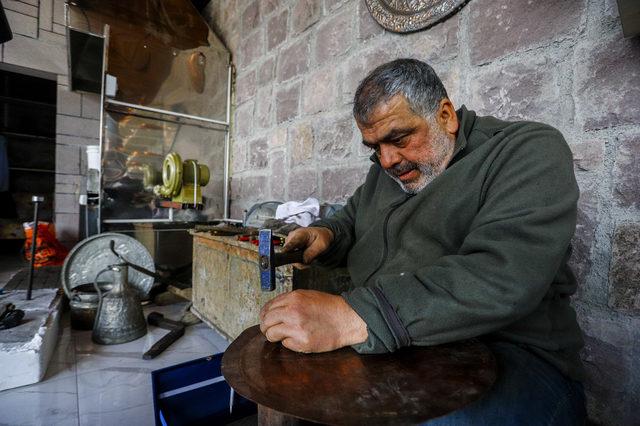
pixel 275 302
pixel 274 316
pixel 297 239
pixel 295 345
pixel 279 332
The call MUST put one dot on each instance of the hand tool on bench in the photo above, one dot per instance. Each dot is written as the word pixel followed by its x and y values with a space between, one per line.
pixel 177 331
pixel 269 260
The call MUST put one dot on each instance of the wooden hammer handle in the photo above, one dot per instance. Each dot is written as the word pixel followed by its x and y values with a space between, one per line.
pixel 286 258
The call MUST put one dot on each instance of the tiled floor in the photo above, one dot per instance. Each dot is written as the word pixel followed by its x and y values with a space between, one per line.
pixel 89 384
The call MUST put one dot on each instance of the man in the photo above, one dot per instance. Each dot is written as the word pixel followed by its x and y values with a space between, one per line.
pixel 461 229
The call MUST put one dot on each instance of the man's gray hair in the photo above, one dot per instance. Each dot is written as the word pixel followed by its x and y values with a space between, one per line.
pixel 414 79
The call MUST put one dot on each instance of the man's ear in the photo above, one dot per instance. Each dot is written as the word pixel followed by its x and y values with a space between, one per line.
pixel 447 117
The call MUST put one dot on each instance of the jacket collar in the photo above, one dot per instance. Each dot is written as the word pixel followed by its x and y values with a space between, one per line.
pixel 466 119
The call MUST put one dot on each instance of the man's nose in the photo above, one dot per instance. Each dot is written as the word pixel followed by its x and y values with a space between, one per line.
pixel 389 156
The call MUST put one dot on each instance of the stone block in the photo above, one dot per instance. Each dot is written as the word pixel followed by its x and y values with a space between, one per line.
pixel 59 28
pixel 22 24
pixel 518 91
pixel 300 143
pixel 238 157
pixel 334 37
pixel 588 156
pixel 251 17
pixel 606 68
pixel 278 137
pixel 334 138
pixel 320 89
pixel 68 102
pixel 500 27
pixel 287 102
pixel 358 66
pixel 277 175
pixel 67 159
pixel 624 274
pixel 304 14
pixel 245 86
pixel 20 7
pixel 277 29
pixel 77 126
pixel 45 19
pixel 58 12
pixel 583 239
pixel 330 5
pixel 91 105
pixel 52 38
pixel 251 48
pixel 243 124
pixel 265 111
pixel 367 26
pixel 68 184
pixel 258 150
pixel 67 225
pixel 268 6
pixel 340 183
pixel 626 173
pixel 66 203
pixel 266 71
pixel 436 44
pixel 302 184
pixel 25 350
pixel 254 189
pixel 293 61
pixel 76 140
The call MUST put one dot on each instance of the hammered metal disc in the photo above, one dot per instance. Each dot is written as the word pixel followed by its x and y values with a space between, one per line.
pixel 92 255
pixel 409 386
pixel 403 16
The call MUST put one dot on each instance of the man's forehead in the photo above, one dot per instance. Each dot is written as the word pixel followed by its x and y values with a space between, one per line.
pixel 395 111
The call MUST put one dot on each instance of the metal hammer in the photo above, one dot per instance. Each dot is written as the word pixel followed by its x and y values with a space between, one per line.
pixel 177 331
pixel 269 260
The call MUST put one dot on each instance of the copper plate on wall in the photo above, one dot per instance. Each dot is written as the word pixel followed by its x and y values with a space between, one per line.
pixel 403 16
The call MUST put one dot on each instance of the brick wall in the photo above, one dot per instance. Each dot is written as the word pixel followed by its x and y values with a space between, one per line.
pixel 561 62
pixel 39 43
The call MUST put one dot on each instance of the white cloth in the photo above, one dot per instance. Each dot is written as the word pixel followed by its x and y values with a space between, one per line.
pixel 302 213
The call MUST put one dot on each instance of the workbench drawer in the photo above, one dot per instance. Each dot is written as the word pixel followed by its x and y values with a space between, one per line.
pixel 195 393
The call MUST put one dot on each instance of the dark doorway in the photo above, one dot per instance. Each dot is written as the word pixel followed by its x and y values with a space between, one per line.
pixel 27 152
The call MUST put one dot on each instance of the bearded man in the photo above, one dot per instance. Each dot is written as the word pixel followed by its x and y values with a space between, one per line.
pixel 461 229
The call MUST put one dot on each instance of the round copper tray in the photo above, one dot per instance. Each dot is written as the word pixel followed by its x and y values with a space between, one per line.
pixel 411 385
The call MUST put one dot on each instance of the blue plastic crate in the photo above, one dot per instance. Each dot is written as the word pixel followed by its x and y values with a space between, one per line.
pixel 195 393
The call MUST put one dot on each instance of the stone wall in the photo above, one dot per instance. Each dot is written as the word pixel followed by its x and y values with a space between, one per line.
pixel 39 47
pixel 565 63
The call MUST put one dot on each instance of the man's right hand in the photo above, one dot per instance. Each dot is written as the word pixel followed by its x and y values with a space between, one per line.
pixel 313 240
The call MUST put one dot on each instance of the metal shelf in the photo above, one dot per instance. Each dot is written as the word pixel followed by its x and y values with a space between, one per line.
pixel 27 102
pixel 24 169
pixel 28 136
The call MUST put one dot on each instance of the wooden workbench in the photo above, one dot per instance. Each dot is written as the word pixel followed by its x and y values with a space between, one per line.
pixel 226 282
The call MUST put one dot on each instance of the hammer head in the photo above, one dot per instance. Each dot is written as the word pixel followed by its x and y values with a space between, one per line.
pixel 265 261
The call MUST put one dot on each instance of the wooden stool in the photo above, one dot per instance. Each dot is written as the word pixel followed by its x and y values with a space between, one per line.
pixel 411 385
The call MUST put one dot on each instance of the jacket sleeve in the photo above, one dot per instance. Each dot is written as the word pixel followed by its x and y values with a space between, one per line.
pixel 503 268
pixel 342 224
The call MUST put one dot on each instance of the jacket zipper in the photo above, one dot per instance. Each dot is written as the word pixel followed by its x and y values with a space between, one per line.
pixel 385 248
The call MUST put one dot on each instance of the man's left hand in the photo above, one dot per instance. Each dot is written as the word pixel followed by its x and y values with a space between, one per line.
pixel 311 321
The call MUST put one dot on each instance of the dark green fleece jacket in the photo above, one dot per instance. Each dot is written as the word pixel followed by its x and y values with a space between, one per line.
pixel 481 251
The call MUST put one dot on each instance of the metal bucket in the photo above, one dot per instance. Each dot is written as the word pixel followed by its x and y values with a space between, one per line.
pixel 84 304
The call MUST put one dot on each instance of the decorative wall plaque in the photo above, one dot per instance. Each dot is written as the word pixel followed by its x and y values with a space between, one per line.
pixel 403 16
